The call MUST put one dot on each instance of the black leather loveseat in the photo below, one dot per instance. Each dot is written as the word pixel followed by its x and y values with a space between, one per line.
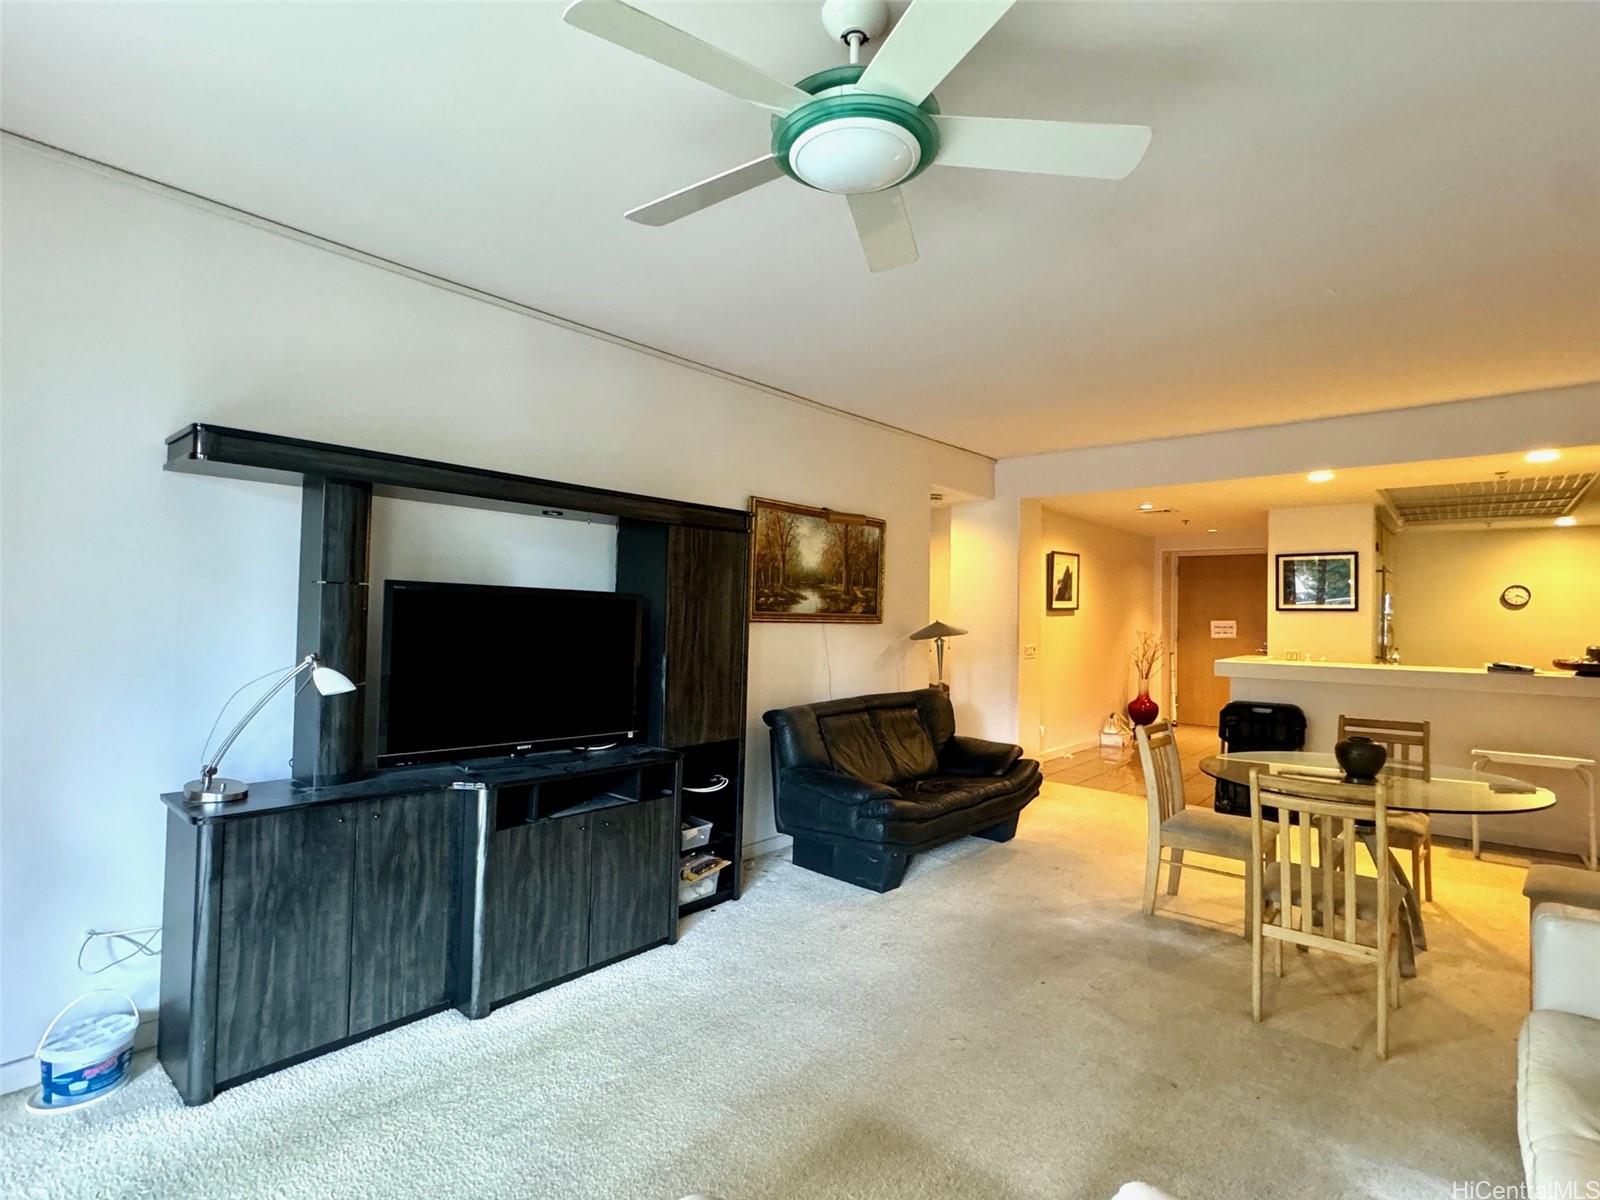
pixel 865 783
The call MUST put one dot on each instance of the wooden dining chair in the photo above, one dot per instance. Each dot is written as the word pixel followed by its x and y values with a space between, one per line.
pixel 1304 890
pixel 1176 828
pixel 1410 747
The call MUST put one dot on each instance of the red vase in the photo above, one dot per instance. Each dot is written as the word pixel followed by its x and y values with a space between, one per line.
pixel 1141 709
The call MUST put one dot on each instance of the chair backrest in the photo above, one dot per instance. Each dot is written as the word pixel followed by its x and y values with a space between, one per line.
pixel 1314 814
pixel 1163 770
pixel 1409 743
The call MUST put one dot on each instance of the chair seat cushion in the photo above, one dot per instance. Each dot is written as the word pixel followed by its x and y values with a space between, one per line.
pixel 1405 829
pixel 1548 884
pixel 1558 1101
pixel 1208 832
pixel 1366 889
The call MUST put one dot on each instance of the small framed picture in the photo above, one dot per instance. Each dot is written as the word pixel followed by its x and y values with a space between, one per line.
pixel 1326 582
pixel 1063 581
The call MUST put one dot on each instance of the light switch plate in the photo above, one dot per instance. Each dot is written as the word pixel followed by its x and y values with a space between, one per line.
pixel 1030 651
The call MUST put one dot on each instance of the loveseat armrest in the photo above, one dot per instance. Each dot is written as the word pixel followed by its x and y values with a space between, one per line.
pixel 821 800
pixel 974 756
pixel 1566 959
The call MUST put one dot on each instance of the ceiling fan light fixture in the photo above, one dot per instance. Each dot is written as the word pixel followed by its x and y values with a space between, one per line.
pixel 851 155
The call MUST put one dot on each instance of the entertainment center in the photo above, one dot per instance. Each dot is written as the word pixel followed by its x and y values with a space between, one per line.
pixel 344 901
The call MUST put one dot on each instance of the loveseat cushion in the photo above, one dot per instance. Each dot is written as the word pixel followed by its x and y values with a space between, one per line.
pixel 906 740
pixel 1558 1100
pixel 931 809
pixel 854 747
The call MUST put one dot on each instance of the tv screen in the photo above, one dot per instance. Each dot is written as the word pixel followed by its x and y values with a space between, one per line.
pixel 470 670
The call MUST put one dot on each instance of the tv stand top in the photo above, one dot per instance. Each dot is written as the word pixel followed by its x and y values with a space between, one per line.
pixel 278 795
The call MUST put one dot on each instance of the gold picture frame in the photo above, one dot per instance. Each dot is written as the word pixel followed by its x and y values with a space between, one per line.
pixel 815 565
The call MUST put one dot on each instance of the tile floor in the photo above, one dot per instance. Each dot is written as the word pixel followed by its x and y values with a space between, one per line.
pixel 1119 771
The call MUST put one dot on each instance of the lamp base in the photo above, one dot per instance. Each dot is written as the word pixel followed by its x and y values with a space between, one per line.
pixel 215 790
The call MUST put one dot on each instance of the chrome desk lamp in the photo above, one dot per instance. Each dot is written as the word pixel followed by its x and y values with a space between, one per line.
pixel 210 788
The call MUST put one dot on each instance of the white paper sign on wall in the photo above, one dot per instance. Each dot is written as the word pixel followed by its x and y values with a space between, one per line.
pixel 1224 629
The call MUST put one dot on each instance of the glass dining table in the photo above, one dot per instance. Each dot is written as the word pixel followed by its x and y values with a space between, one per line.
pixel 1455 790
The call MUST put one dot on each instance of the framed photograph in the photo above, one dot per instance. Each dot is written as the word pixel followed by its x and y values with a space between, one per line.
pixel 1325 582
pixel 1062 581
pixel 814 564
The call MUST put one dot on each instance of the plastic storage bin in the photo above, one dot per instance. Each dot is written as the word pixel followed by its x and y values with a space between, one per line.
pixel 696 833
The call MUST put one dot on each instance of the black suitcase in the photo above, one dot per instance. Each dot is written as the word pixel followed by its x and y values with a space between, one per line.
pixel 1250 725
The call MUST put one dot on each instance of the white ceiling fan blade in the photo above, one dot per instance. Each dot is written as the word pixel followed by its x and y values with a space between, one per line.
pixel 1042 147
pixel 625 26
pixel 884 229
pixel 925 45
pixel 708 192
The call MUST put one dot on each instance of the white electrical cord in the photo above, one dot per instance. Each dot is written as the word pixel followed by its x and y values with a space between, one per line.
pixel 827 659
pixel 140 947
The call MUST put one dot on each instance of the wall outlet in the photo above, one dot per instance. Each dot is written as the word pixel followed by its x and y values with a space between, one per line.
pixel 1030 651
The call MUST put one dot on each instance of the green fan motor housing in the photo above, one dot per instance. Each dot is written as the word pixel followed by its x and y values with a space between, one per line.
pixel 917 119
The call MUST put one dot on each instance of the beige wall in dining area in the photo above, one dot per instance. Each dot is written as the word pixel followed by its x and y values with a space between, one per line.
pixel 1082 670
pixel 1447 588
pixel 1323 529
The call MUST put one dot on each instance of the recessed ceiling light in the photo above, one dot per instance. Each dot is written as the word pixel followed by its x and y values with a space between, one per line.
pixel 1319 476
pixel 1541 456
pixel 1211 531
pixel 1146 507
pixel 1566 522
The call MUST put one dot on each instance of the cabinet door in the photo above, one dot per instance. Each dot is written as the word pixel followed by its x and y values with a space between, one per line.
pixel 705 634
pixel 634 852
pixel 536 904
pixel 283 961
pixel 402 915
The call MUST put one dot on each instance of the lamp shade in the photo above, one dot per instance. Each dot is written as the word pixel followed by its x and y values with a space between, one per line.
pixel 330 682
pixel 937 630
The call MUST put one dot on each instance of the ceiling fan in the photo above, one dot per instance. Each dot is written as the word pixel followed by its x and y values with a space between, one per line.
pixel 862 131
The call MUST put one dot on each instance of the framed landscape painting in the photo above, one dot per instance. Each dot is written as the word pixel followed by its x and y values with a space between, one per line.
pixel 814 564
pixel 1062 580
pixel 1325 582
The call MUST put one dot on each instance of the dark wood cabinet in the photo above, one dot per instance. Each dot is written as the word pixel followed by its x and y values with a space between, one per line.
pixel 633 854
pixel 536 905
pixel 299 919
pixel 704 636
pixel 401 909
pixel 283 961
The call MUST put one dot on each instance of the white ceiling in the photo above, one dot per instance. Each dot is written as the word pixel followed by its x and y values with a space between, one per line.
pixel 1237 508
pixel 1346 207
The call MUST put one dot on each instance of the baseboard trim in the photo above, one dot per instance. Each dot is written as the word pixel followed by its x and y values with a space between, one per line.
pixel 1063 751
pixel 777 844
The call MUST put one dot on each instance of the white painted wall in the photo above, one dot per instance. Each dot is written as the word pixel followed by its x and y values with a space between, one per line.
pixel 1322 528
pixel 1447 589
pixel 1083 670
pixel 134 600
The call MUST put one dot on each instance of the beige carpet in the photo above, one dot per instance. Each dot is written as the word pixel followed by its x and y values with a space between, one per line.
pixel 1007 1025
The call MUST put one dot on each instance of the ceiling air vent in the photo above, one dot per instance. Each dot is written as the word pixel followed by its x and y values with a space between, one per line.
pixel 1544 496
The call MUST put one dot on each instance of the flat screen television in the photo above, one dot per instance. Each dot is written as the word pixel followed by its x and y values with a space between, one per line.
pixel 474 671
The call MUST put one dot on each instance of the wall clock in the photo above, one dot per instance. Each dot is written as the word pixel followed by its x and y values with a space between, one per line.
pixel 1516 596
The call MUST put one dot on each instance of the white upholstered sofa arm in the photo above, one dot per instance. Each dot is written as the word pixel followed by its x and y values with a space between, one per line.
pixel 1566 959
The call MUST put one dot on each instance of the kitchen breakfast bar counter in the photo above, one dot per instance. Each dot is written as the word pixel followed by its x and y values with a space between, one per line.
pixel 1548 712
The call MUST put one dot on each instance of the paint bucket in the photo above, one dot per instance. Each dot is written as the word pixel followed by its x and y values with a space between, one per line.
pixel 86 1060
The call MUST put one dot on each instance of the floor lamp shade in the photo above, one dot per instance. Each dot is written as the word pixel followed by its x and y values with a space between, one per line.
pixel 936 633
